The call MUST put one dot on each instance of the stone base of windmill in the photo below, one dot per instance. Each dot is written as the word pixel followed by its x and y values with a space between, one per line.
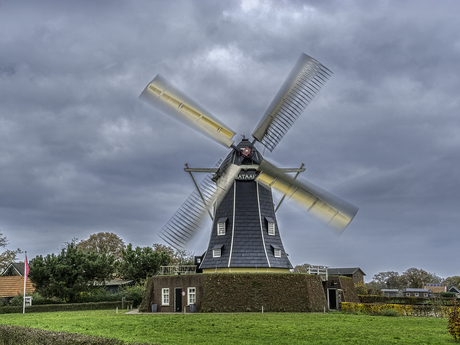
pixel 247 292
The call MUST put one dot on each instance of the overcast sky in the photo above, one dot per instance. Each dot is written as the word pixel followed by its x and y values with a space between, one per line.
pixel 80 154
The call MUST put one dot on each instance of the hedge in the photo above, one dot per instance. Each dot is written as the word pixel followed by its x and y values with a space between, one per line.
pixel 64 307
pixel 401 309
pixel 14 335
pixel 405 300
pixel 275 292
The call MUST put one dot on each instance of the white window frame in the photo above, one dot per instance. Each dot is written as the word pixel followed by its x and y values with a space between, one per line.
pixel 407 294
pixel 271 228
pixel 277 252
pixel 425 295
pixel 221 228
pixel 416 294
pixel 217 252
pixel 165 296
pixel 191 295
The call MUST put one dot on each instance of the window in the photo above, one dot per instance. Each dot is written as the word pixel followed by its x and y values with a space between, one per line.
pixel 221 226
pixel 191 295
pixel 407 294
pixel 271 226
pixel 276 251
pixel 425 295
pixel 165 296
pixel 416 294
pixel 220 229
pixel 217 251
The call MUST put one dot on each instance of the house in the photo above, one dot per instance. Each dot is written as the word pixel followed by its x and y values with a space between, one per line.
pixel 355 273
pixel 114 285
pixel 454 289
pixel 14 285
pixel 436 289
pixel 419 293
pixel 391 293
pixel 14 269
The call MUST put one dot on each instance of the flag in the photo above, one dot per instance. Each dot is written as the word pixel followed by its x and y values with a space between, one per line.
pixel 26 265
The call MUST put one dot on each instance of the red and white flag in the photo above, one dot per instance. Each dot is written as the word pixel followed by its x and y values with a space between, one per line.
pixel 26 265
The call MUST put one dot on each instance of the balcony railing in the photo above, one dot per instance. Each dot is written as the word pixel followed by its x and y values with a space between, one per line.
pixel 177 270
pixel 318 270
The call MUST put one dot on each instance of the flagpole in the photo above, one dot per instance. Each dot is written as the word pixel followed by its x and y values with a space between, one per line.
pixel 25 280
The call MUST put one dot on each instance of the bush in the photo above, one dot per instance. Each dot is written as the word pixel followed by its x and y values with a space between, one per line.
pixel 131 293
pixel 13 335
pixel 37 299
pixel 64 307
pixel 453 325
pixel 389 312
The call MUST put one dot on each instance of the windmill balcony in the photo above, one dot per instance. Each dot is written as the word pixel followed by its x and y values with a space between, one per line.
pixel 318 270
pixel 177 270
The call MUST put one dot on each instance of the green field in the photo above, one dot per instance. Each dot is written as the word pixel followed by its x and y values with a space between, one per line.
pixel 247 328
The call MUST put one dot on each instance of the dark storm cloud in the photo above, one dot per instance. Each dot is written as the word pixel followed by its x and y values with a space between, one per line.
pixel 80 154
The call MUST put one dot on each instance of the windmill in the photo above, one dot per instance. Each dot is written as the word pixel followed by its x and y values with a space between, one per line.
pixel 237 192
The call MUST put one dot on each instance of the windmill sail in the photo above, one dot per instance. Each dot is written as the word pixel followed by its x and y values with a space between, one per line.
pixel 169 100
pixel 301 86
pixel 333 210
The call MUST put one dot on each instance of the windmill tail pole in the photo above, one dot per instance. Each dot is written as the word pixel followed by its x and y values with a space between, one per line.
pixel 199 192
pixel 284 196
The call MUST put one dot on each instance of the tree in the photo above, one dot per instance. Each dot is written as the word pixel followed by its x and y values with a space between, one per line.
pixel 452 281
pixel 417 278
pixel 106 243
pixel 387 280
pixel 8 256
pixel 301 268
pixel 69 273
pixel 141 263
pixel 178 257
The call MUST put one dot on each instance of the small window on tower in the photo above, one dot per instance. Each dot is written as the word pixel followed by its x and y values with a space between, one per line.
pixel 276 251
pixel 221 228
pixel 217 251
pixel 271 226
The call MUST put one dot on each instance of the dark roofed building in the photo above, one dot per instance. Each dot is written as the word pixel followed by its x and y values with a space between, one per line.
pixel 455 290
pixel 14 269
pixel 355 273
pixel 415 292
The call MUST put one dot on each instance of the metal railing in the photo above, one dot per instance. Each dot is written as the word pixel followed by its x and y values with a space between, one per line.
pixel 177 270
pixel 318 270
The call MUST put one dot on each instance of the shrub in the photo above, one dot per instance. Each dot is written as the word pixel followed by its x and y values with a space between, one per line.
pixel 131 293
pixel 13 335
pixel 64 307
pixel 453 325
pixel 389 312
pixel 37 299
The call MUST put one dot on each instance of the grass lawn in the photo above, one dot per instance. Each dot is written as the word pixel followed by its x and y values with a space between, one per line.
pixel 245 328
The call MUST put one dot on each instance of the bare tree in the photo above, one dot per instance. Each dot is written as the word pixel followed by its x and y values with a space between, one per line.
pixel 7 256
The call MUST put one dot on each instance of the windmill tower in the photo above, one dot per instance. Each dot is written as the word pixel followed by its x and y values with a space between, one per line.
pixel 237 193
